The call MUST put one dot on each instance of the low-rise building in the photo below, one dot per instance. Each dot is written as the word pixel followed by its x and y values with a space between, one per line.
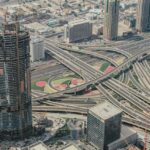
pixel 76 128
pixel 36 27
pixel 127 137
pixel 53 22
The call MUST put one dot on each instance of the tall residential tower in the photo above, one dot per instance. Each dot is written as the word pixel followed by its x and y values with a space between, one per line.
pixel 15 90
pixel 111 15
pixel 143 16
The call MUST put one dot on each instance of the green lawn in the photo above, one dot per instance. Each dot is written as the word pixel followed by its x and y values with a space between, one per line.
pixel 104 66
pixel 65 79
pixel 60 81
pixel 48 89
pixel 67 82
pixel 33 86
pixel 136 78
pixel 33 83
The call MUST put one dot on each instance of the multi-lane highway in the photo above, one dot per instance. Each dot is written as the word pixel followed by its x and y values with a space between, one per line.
pixel 118 69
pixel 93 74
pixel 137 104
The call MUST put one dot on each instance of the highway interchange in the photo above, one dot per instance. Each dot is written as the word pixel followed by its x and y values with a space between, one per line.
pixel 135 102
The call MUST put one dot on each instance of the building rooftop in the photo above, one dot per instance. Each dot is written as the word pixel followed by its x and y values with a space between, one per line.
pixel 105 110
pixel 36 146
pixel 36 40
pixel 78 21
pixel 71 147
pixel 128 136
pixel 36 26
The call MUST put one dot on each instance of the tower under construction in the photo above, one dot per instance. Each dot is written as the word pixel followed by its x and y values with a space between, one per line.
pixel 15 82
pixel 143 15
pixel 111 15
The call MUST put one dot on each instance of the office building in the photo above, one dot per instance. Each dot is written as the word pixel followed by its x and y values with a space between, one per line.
pixel 103 125
pixel 15 83
pixel 143 16
pixel 111 16
pixel 78 30
pixel 37 49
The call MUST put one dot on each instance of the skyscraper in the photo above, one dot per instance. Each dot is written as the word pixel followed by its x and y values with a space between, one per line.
pixel 103 125
pixel 111 15
pixel 143 16
pixel 15 90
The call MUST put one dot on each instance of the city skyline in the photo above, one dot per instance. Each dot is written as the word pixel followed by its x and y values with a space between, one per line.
pixel 74 75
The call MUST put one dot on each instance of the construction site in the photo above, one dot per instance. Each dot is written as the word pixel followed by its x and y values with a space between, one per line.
pixel 15 90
